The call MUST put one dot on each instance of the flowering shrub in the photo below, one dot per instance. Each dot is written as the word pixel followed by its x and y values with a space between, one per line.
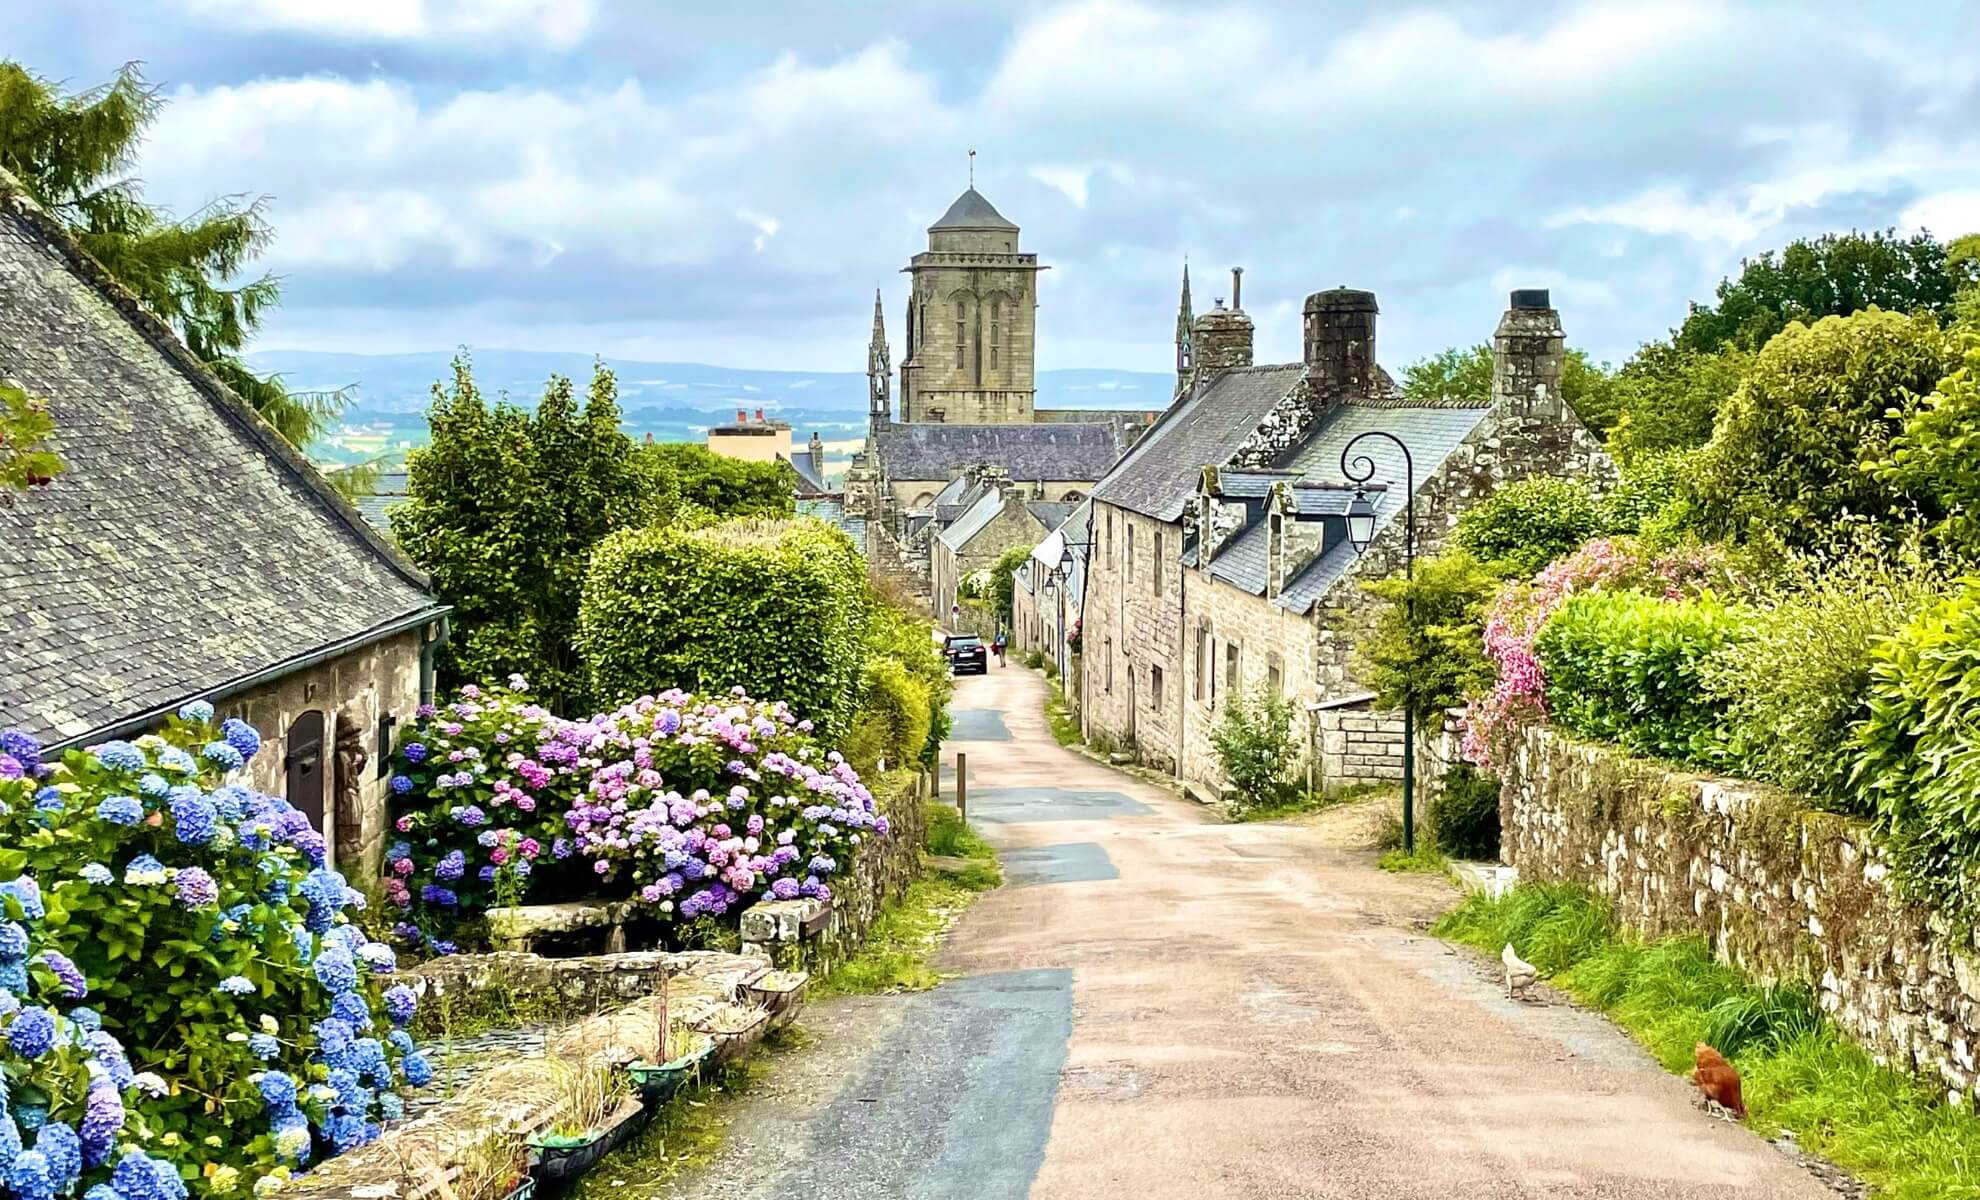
pixel 693 805
pixel 1519 689
pixel 182 996
pixel 480 792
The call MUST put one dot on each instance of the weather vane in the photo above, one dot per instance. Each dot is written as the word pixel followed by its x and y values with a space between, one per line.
pixel 972 168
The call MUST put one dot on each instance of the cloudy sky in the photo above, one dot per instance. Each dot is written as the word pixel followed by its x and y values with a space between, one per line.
pixel 728 183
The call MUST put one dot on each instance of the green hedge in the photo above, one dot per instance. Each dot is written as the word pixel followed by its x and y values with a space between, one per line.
pixel 778 608
pixel 1629 668
pixel 893 719
pixel 1918 764
pixel 1524 525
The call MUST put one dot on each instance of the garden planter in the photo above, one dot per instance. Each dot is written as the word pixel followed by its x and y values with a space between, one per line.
pixel 779 993
pixel 733 1030
pixel 657 1082
pixel 563 1159
pixel 813 926
pixel 526 1190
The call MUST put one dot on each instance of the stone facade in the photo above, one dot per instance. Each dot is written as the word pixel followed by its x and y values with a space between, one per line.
pixel 949 565
pixel 349 695
pixel 1131 635
pixel 1353 744
pixel 972 321
pixel 1779 891
pixel 1236 645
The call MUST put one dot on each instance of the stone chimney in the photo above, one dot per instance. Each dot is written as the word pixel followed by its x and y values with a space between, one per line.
pixel 1340 343
pixel 1527 352
pixel 816 448
pixel 1222 337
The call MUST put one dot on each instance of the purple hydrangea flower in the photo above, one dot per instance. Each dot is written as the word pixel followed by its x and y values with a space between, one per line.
pixel 103 1118
pixel 414 752
pixel 401 1003
pixel 336 969
pixel 241 736
pixel 194 819
pixel 450 868
pixel 435 894
pixel 13 941
pixel 32 1032
pixel 196 889
pixel 402 784
pixel 58 1143
pixel 66 973
pixel 141 1177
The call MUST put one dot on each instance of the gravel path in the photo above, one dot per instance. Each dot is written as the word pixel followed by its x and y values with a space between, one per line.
pixel 1160 1007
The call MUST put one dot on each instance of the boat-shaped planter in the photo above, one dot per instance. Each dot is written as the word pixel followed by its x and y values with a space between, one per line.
pixel 658 1081
pixel 562 1158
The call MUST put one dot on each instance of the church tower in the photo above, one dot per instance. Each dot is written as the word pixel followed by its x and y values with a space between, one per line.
pixel 879 373
pixel 972 318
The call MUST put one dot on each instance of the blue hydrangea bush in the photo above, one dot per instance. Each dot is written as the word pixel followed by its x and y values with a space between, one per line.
pixel 185 1003
pixel 693 805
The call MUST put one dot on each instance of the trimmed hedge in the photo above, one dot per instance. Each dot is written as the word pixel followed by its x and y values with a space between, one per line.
pixel 1526 524
pixel 777 608
pixel 1629 668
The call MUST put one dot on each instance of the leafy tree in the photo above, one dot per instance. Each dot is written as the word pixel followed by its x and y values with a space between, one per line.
pixel 1427 651
pixel 1526 524
pixel 1788 453
pixel 1830 276
pixel 503 508
pixel 1935 460
pixel 71 152
pixel 723 486
pixel 1667 398
pixel 1456 374
pixel 25 427
pixel 1003 582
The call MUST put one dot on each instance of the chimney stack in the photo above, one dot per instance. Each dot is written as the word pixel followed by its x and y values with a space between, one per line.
pixel 1340 342
pixel 817 451
pixel 759 414
pixel 742 416
pixel 1222 337
pixel 1527 352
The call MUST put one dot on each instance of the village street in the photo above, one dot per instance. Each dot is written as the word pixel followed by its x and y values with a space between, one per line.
pixel 1159 1005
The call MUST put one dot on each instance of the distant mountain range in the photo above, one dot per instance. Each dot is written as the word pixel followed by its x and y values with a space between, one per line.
pixel 672 401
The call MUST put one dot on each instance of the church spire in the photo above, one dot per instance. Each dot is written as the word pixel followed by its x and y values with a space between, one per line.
pixel 879 401
pixel 1185 350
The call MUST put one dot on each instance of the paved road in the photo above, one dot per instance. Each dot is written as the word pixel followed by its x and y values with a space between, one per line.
pixel 1158 1006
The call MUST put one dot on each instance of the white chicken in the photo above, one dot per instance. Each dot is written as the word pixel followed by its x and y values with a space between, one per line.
pixel 1520 974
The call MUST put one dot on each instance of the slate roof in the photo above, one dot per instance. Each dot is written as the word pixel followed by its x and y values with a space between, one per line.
pixel 832 511
pixel 188 551
pixel 1050 513
pixel 1160 474
pixel 810 482
pixel 376 507
pixel 1249 485
pixel 1071 452
pixel 958 536
pixel 1430 433
pixel 1245 560
pixel 972 211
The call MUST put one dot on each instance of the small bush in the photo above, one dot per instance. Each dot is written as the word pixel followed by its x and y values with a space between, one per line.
pixel 1524 525
pixel 778 608
pixel 1255 749
pixel 1918 753
pixel 1629 668
pixel 896 633
pixel 1427 652
pixel 1794 683
pixel 1464 818
pixel 893 718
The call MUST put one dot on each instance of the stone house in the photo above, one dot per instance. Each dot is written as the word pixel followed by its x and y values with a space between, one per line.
pixel 190 553
pixel 996 518
pixel 1045 600
pixel 1221 563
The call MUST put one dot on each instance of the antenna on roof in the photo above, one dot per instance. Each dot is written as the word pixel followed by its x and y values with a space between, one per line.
pixel 972 168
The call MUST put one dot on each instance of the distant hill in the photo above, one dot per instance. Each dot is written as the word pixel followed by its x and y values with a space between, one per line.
pixel 672 401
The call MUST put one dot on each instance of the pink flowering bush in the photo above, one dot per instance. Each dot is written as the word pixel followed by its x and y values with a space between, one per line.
pixel 480 789
pixel 1518 695
pixel 695 806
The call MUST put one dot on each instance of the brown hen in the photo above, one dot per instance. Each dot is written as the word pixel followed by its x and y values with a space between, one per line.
pixel 1718 1080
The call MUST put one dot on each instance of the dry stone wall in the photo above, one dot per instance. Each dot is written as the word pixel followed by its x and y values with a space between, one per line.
pixel 1781 892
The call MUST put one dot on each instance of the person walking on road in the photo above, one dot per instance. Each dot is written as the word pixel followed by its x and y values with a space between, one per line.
pixel 1002 641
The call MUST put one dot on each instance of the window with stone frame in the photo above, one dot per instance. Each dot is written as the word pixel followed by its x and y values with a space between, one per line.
pixel 1109 549
pixel 1160 558
pixel 1107 652
pixel 1231 675
pixel 1130 553
pixel 962 334
pixel 996 330
pixel 1274 674
pixel 1154 686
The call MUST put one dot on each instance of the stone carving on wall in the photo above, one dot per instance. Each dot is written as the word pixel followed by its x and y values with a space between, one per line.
pixel 351 760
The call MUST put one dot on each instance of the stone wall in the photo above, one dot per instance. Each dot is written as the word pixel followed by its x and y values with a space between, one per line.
pixel 776 929
pixel 1781 892
pixel 1357 744
pixel 1267 639
pixel 381 679
pixel 1131 627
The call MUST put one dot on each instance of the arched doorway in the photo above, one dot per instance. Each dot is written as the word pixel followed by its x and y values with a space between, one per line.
pixel 304 781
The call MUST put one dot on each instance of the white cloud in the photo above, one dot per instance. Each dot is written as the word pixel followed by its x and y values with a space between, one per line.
pixel 557 23
pixel 1946 214
pixel 1070 181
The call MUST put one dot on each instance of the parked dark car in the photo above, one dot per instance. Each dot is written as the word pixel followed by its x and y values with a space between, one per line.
pixel 967 654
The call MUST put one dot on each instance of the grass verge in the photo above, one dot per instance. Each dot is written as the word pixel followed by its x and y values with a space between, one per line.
pixel 895 955
pixel 1061 716
pixel 1799 1072
pixel 690 1131
pixel 1428 860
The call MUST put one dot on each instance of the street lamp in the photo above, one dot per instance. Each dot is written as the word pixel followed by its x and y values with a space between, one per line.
pixel 1359 469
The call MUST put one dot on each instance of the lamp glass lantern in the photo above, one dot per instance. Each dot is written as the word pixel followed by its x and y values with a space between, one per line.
pixel 1360 520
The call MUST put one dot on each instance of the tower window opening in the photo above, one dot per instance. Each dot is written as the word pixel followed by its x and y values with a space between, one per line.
pixel 962 334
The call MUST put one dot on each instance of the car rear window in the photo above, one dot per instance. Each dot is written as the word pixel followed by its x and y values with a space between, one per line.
pixel 965 643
